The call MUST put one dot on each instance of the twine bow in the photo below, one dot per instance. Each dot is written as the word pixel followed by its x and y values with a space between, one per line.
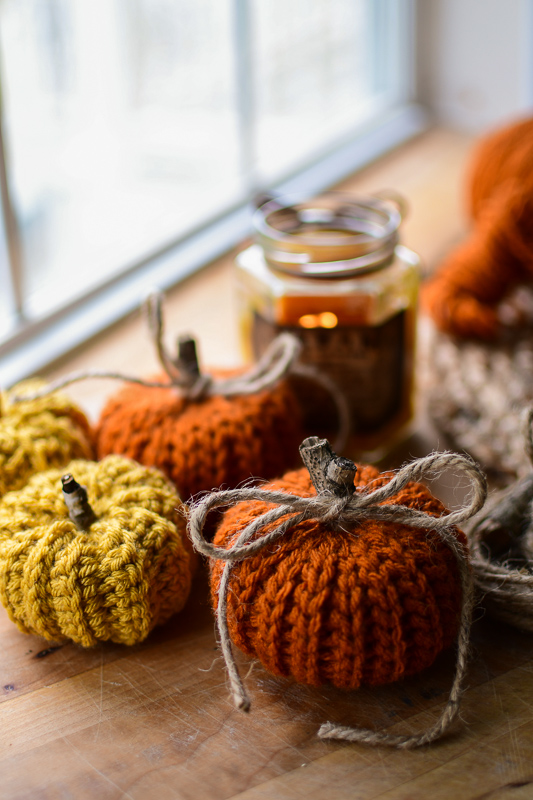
pixel 183 372
pixel 339 505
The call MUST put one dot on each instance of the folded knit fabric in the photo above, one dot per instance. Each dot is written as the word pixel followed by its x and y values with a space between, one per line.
pixel 463 296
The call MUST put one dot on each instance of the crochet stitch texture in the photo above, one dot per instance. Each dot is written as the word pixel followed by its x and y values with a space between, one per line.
pixel 207 443
pixel 130 571
pixel 361 607
pixel 475 393
pixel 36 435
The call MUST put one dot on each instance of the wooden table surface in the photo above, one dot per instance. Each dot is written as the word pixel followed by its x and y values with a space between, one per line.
pixel 156 720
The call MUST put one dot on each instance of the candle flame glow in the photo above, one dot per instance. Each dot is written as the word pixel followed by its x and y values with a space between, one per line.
pixel 327 319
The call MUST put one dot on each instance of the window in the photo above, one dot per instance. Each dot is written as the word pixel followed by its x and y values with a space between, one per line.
pixel 133 127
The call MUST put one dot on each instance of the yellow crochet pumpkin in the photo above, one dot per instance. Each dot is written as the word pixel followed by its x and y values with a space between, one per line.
pixel 129 570
pixel 36 435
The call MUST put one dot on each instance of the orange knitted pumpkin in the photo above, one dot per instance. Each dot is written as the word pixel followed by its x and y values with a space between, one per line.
pixel 348 607
pixel 463 296
pixel 205 443
pixel 204 431
pixel 343 576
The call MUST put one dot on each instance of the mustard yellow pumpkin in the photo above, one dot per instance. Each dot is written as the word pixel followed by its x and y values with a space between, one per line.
pixel 36 435
pixel 129 571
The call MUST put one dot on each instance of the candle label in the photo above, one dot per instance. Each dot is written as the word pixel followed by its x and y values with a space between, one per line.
pixel 368 364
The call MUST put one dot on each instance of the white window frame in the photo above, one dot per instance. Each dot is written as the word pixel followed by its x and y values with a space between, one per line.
pixel 37 343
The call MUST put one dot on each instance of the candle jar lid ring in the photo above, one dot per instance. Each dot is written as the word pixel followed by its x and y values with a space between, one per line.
pixel 333 235
pixel 296 264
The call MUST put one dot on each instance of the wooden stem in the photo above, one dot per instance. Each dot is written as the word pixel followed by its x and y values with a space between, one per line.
pixel 330 473
pixel 79 510
pixel 188 356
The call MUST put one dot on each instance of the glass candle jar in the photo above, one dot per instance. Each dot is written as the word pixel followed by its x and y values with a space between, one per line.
pixel 331 271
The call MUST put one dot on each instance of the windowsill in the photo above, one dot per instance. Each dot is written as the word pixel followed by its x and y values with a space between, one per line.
pixel 427 171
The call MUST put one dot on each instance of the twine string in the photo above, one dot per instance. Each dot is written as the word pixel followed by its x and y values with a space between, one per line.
pixel 277 362
pixel 339 512
pixel 153 308
pixel 274 365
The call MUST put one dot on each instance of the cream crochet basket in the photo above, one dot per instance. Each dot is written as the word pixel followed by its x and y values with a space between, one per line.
pixel 474 394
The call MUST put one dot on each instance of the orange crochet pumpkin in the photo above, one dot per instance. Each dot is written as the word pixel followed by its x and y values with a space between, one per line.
pixel 463 296
pixel 367 605
pixel 205 443
pixel 210 430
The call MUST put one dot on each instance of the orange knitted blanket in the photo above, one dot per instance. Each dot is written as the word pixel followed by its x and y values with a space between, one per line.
pixel 463 296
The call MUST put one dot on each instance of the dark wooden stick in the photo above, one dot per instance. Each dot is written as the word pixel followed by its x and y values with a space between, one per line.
pixel 79 510
pixel 187 356
pixel 329 472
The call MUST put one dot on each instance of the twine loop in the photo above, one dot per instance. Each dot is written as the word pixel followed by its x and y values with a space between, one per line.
pixel 185 375
pixel 349 509
pixel 183 372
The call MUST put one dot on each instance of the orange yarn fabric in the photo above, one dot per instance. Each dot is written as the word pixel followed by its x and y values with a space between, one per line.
pixel 463 296
pixel 361 607
pixel 203 444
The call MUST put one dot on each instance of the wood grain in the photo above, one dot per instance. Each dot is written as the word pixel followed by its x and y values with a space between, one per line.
pixel 156 721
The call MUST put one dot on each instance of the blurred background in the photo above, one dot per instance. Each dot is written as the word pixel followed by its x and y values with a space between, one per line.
pixel 135 132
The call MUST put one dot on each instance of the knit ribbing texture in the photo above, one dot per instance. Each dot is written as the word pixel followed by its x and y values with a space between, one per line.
pixel 38 434
pixel 463 296
pixel 129 571
pixel 358 607
pixel 206 443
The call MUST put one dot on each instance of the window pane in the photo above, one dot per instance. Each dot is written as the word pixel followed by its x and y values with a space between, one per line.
pixel 320 69
pixel 121 132
pixel 7 299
